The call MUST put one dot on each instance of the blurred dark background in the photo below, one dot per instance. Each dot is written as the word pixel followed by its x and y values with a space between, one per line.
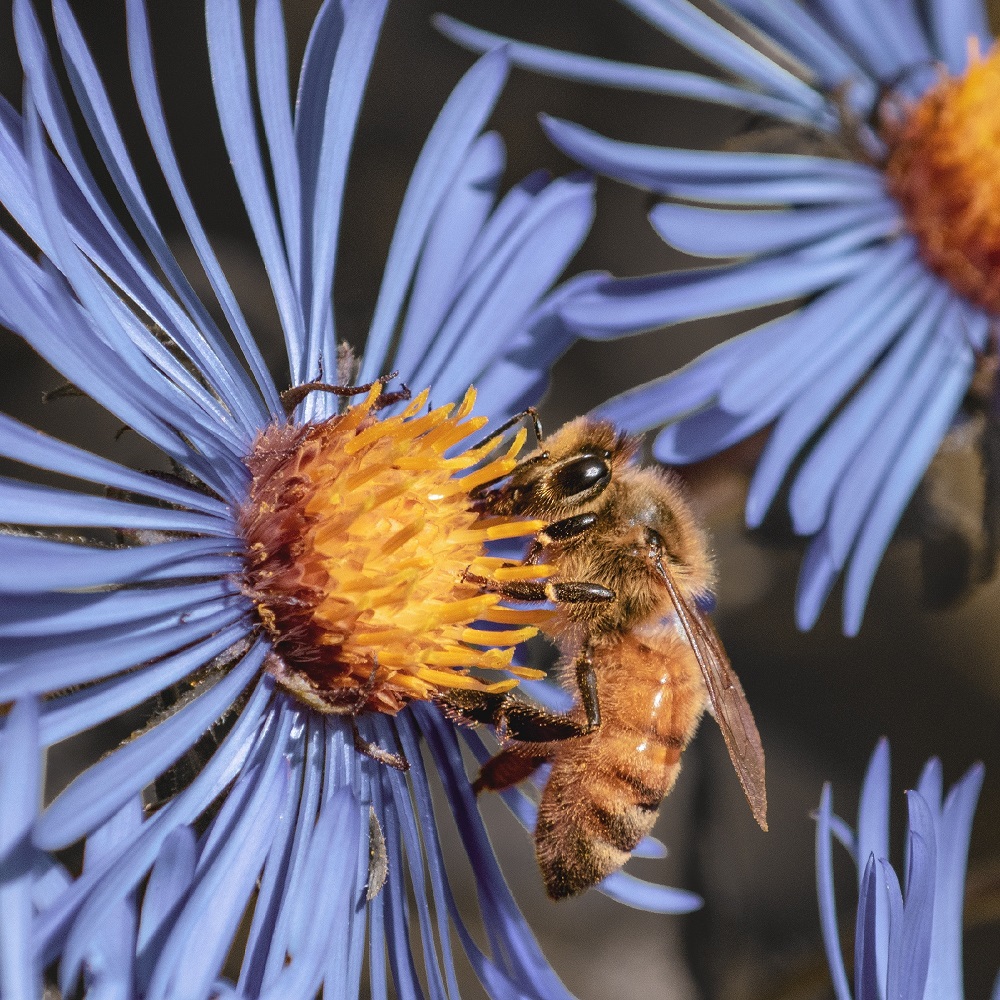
pixel 929 680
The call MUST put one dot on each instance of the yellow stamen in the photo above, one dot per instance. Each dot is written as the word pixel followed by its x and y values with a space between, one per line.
pixel 511 573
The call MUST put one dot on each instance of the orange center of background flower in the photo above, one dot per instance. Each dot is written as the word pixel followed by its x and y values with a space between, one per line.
pixel 359 538
pixel 944 168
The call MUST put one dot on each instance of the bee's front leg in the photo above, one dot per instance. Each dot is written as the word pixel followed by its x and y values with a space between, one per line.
pixel 559 531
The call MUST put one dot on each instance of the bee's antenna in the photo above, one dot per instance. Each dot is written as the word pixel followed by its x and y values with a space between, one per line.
pixel 530 412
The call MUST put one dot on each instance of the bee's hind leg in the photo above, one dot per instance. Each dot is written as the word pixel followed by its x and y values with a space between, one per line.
pixel 521 720
pixel 508 768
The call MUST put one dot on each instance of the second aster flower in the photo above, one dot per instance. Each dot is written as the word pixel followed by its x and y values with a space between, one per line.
pixel 886 225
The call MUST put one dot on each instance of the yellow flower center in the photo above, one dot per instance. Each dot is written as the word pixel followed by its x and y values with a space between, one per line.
pixel 944 168
pixel 360 537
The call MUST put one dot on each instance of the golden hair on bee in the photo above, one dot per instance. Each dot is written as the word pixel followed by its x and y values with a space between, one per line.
pixel 630 563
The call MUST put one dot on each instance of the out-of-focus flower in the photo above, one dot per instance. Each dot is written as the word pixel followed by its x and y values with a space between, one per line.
pixel 294 572
pixel 881 212
pixel 908 941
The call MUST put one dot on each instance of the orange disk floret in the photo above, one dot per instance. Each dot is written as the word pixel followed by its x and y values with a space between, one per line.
pixel 359 537
pixel 944 169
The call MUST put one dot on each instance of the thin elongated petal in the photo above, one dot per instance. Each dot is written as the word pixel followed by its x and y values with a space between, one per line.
pixel 866 977
pixel 51 665
pixel 271 59
pixel 909 959
pixel 342 102
pixel 633 304
pixel 627 76
pixel 524 961
pixel 816 579
pixel 101 236
pixel 944 973
pixel 873 841
pixel 713 232
pixel 25 444
pixel 841 360
pixel 167 888
pixel 912 461
pixel 61 614
pixel 20 792
pixel 797 30
pixel 202 936
pixel 658 167
pixel 455 130
pixel 275 894
pixel 454 231
pixel 700 33
pixel 294 880
pixel 22 503
pixel 502 293
pixel 110 967
pixel 30 565
pixel 333 846
pixel 861 481
pixel 230 78
pixel 827 902
pixel 164 402
pixel 819 477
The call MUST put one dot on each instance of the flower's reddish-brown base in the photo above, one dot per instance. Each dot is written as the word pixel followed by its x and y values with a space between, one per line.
pixel 359 537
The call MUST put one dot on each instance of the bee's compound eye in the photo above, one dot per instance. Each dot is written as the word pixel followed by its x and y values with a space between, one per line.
pixel 582 475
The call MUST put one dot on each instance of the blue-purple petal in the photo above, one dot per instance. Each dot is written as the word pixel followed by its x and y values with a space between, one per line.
pixel 827 900
pixel 33 565
pixel 627 76
pixel 100 790
pixel 20 792
pixel 444 152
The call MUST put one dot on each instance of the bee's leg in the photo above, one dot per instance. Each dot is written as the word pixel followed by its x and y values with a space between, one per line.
pixel 560 591
pixel 508 768
pixel 291 398
pixel 559 531
pixel 366 747
pixel 512 717
pixel 586 681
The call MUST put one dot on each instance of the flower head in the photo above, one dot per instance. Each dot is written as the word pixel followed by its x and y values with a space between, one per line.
pixel 884 223
pixel 908 941
pixel 300 584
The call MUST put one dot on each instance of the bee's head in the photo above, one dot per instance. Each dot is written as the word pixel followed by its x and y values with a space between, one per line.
pixel 565 476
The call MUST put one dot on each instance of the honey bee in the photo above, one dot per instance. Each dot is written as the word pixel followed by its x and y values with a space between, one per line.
pixel 630 564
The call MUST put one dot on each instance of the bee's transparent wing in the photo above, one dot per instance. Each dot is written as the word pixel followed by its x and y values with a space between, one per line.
pixel 729 703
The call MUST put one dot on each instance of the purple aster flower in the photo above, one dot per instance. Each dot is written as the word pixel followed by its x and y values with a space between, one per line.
pixel 298 583
pixel 884 222
pixel 908 941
